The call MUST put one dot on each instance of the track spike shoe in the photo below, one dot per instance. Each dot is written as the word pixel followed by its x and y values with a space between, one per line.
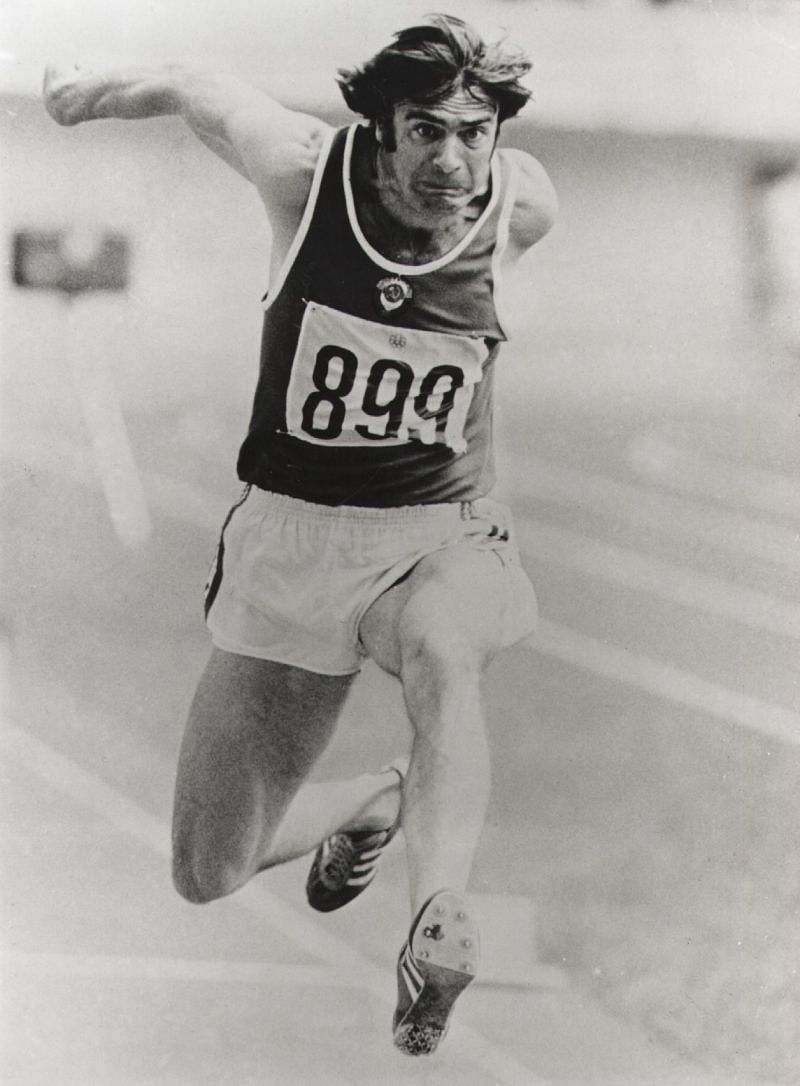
pixel 438 961
pixel 346 862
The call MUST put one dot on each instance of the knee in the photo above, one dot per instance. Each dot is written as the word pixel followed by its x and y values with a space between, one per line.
pixel 428 629
pixel 201 884
pixel 194 885
pixel 435 659
pixel 200 875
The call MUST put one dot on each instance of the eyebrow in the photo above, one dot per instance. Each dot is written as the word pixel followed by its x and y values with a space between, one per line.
pixel 435 118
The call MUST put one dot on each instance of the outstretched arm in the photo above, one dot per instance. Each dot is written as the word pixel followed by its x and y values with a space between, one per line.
pixel 274 147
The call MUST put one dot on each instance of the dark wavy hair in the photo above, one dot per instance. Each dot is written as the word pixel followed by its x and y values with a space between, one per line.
pixel 427 63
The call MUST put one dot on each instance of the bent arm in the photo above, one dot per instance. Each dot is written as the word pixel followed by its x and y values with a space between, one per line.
pixel 274 147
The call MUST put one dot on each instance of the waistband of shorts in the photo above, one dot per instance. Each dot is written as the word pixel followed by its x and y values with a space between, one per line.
pixel 434 512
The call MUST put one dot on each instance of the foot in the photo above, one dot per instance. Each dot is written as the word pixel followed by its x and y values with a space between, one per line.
pixel 436 964
pixel 346 862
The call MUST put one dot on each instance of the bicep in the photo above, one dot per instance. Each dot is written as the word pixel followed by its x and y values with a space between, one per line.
pixel 274 147
pixel 278 150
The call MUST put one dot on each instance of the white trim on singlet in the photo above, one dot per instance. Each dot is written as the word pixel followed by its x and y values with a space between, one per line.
pixel 299 237
pixel 411 269
pixel 503 229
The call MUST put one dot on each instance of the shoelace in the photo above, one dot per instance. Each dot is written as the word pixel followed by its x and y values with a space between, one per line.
pixel 338 863
pixel 344 850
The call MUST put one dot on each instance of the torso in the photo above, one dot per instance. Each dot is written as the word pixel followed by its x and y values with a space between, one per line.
pixel 361 404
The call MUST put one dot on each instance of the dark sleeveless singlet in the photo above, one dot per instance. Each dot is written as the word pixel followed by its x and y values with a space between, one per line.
pixel 375 385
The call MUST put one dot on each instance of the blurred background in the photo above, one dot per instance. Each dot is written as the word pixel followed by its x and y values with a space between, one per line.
pixel 646 740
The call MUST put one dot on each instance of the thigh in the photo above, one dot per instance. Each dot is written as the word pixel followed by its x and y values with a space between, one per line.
pixel 254 732
pixel 458 596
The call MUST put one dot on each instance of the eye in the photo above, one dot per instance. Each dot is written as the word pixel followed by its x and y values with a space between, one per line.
pixel 473 137
pixel 425 131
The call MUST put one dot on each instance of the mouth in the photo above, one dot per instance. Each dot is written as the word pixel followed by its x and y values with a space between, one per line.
pixel 449 190
pixel 442 192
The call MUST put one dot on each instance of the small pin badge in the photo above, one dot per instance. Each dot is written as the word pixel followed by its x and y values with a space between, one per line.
pixel 393 292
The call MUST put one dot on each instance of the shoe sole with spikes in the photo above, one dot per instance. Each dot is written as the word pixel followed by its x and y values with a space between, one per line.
pixel 436 964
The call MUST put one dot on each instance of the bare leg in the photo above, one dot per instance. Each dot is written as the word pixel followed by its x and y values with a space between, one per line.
pixel 447 788
pixel 255 730
pixel 436 631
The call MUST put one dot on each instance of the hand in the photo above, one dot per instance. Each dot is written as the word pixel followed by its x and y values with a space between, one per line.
pixel 64 93
pixel 76 94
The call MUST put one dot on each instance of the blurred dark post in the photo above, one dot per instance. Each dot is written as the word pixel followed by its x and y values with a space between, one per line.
pixel 71 261
pixel 77 264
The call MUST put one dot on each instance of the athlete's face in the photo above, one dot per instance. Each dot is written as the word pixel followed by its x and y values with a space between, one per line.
pixel 443 153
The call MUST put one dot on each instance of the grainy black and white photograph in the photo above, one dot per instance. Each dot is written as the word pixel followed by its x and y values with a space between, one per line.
pixel 508 290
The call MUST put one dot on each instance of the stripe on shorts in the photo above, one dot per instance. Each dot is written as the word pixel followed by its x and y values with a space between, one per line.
pixel 215 573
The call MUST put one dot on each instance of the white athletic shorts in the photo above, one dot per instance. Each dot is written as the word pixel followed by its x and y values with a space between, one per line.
pixel 291 580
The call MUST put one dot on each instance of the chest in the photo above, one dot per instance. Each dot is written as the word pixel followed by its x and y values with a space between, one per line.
pixel 409 244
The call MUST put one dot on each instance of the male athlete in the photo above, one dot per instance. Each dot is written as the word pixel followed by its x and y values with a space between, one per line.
pixel 365 528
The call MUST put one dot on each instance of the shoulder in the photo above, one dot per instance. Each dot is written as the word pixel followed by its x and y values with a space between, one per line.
pixel 535 202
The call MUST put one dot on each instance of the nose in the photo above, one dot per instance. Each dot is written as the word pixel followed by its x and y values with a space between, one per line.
pixel 447 159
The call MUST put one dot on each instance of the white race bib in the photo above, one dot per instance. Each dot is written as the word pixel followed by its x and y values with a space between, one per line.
pixel 357 382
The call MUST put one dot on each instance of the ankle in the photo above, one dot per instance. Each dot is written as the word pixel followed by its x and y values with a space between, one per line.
pixel 382 805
